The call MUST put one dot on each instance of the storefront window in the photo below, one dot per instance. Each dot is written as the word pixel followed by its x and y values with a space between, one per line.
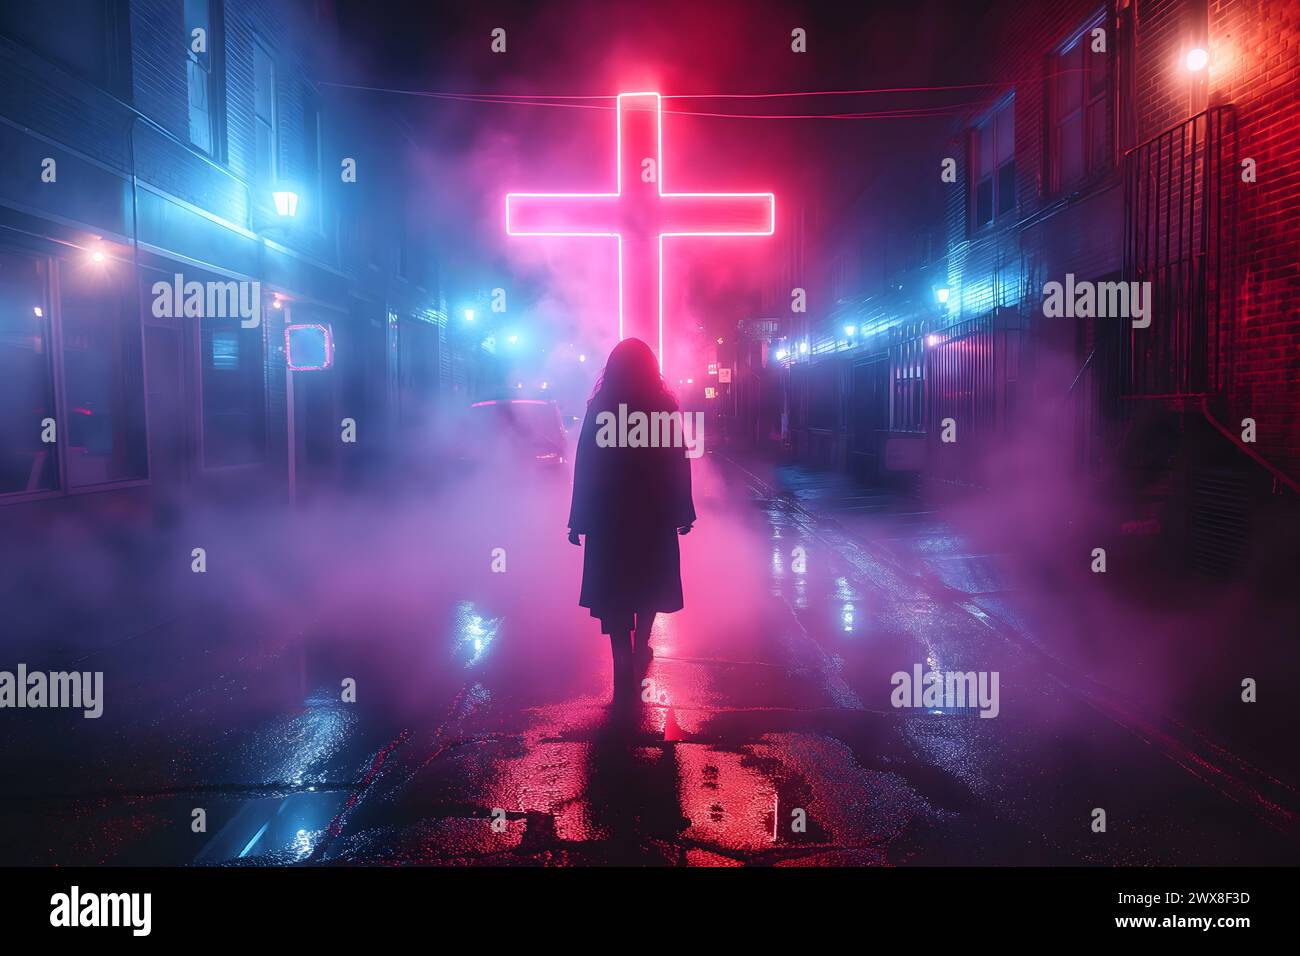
pixel 234 424
pixel 103 378
pixel 27 463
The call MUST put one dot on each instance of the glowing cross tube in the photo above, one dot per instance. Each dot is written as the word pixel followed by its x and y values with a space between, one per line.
pixel 640 215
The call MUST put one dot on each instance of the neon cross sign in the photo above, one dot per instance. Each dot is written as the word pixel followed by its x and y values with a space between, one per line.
pixel 640 215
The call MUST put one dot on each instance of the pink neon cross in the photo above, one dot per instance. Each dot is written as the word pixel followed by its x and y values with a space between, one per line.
pixel 639 215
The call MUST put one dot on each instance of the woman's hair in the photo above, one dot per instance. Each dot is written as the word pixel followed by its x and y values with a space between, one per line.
pixel 631 374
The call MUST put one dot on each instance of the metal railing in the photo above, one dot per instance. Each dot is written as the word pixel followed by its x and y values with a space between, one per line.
pixel 1180 204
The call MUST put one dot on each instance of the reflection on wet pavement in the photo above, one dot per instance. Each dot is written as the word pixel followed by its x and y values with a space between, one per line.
pixel 482 730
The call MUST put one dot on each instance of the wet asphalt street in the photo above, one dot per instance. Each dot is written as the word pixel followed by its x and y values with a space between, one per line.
pixel 482 732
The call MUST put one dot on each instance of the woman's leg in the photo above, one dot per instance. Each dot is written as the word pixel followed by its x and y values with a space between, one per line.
pixel 645 621
pixel 620 645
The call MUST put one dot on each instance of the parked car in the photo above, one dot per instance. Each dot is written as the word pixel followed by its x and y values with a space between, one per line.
pixel 518 431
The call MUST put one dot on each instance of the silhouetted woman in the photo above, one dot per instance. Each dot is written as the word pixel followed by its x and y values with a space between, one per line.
pixel 630 503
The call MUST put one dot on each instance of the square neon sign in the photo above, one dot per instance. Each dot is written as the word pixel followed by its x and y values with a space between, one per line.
pixel 308 347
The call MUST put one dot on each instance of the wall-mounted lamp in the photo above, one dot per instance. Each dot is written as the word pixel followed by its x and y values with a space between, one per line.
pixel 286 203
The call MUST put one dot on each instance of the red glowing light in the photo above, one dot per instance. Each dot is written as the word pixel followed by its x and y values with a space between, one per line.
pixel 641 217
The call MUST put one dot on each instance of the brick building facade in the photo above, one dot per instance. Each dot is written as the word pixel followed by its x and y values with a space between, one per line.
pixel 1109 144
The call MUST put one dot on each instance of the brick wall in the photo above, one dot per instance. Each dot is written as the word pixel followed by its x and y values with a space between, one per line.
pixel 1255 65
pixel 1163 88
pixel 158 44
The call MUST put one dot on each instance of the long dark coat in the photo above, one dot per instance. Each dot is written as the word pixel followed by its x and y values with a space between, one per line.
pixel 629 503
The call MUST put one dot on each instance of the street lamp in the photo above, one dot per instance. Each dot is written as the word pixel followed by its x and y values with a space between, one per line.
pixel 942 294
pixel 286 203
pixel 1197 59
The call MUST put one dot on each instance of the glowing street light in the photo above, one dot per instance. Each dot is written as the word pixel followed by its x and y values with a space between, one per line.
pixel 1197 59
pixel 469 315
pixel 942 294
pixel 286 203
pixel 850 330
pixel 803 348
pixel 582 358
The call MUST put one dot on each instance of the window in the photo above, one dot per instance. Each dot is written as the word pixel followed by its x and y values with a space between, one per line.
pixel 234 426
pixel 264 116
pixel 1079 110
pixel 417 369
pixel 98 415
pixel 103 374
pixel 27 463
pixel 201 78
pixel 993 166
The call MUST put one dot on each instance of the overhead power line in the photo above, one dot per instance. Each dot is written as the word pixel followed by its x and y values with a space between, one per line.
pixel 545 100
